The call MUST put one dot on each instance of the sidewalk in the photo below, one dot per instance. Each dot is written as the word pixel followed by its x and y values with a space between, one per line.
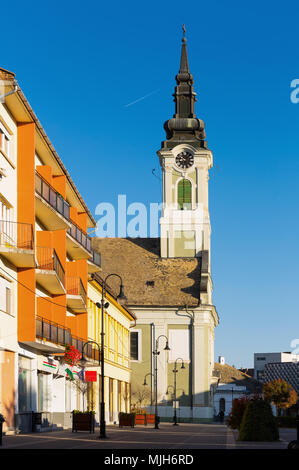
pixel 184 436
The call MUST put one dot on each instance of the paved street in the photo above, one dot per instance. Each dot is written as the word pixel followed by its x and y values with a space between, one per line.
pixel 184 436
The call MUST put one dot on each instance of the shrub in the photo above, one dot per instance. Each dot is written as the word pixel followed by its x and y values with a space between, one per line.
pixel 235 416
pixel 258 423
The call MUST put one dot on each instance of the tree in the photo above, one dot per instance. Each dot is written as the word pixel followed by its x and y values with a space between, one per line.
pixel 280 393
pixel 258 423
pixel 140 395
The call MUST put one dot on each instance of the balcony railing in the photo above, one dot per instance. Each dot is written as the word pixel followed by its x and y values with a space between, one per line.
pixel 74 286
pixel 80 236
pixel 48 260
pixel 58 334
pixel 16 235
pixel 51 331
pixel 52 197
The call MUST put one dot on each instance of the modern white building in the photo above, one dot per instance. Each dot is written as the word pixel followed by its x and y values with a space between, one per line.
pixel 261 359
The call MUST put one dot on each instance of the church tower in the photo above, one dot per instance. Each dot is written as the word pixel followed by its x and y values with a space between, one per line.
pixel 167 280
pixel 185 161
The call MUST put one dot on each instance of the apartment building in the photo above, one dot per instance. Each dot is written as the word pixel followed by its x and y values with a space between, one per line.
pixel 45 260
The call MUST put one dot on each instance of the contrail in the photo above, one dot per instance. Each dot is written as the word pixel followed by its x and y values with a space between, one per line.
pixel 142 98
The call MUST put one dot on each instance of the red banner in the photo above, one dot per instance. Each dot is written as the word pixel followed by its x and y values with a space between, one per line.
pixel 90 376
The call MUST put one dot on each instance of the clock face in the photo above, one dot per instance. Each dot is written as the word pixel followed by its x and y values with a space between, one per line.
pixel 184 160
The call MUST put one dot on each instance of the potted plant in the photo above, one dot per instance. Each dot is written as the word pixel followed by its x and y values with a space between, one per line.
pixel 126 419
pixel 83 420
pixel 71 355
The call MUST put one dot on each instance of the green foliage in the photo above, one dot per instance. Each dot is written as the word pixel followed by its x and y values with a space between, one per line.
pixel 258 423
pixel 78 412
pixel 235 417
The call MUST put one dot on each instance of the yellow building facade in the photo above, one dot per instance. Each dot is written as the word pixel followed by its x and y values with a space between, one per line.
pixel 117 322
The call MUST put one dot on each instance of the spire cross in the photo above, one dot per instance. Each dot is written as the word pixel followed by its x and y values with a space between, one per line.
pixel 184 32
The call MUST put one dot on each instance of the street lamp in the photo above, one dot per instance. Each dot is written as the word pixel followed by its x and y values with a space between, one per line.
pixel 83 361
pixel 156 353
pixel 145 383
pixel 121 298
pixel 175 370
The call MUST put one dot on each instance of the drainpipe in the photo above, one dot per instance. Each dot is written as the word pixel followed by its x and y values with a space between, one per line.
pixel 191 316
pixel 15 83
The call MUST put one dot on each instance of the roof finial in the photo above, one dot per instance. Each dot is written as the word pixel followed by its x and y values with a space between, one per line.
pixel 184 33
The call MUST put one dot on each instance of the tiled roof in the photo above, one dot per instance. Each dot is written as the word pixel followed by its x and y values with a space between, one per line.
pixel 147 278
pixel 231 375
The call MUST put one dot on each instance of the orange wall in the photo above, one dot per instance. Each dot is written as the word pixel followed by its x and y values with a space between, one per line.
pixel 78 325
pixel 26 213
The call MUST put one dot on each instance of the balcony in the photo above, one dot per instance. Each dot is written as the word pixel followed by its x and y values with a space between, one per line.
pixel 49 271
pixel 76 298
pixel 50 207
pixel 94 263
pixel 51 338
pixel 78 243
pixel 16 243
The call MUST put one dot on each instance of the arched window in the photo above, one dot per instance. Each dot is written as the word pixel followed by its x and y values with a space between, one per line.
pixel 184 194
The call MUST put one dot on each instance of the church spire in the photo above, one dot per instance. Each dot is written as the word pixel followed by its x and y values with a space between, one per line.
pixel 184 94
pixel 185 126
pixel 184 67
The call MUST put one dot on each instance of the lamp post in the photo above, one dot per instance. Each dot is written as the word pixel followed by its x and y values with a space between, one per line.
pixel 144 383
pixel 83 361
pixel 156 353
pixel 175 370
pixel 121 298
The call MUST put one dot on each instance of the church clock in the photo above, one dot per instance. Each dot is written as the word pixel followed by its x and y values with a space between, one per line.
pixel 184 160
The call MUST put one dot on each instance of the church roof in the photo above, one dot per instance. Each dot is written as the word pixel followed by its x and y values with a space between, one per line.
pixel 148 279
pixel 233 376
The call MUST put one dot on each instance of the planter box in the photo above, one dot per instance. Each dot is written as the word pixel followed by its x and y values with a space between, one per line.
pixel 126 419
pixel 140 419
pixel 150 419
pixel 83 421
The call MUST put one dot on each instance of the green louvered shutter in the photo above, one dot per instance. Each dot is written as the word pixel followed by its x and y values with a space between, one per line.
pixel 184 194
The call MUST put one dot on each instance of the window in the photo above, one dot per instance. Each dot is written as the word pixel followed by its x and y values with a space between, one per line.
pixel 24 384
pixel 4 141
pixel 260 358
pixel 5 295
pixel 43 391
pixel 135 345
pixel 184 194
pixel 8 300
pixel 179 343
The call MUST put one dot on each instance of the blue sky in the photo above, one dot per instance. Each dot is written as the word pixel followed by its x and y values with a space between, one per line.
pixel 80 64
